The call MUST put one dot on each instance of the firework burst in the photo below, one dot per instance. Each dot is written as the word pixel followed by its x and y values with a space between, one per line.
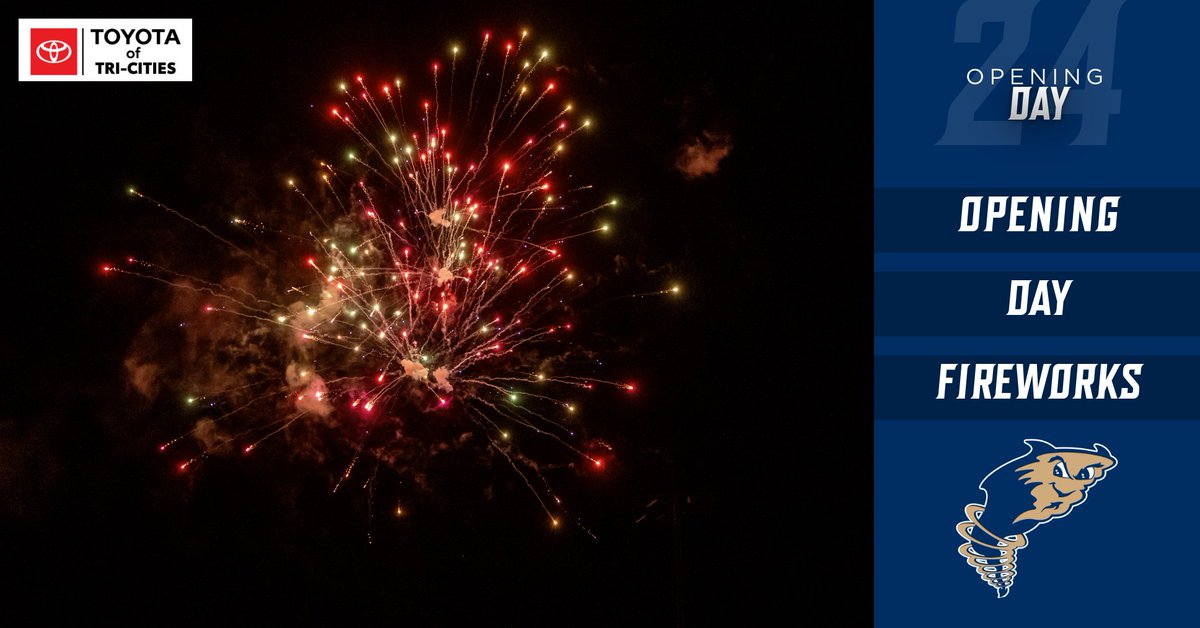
pixel 422 285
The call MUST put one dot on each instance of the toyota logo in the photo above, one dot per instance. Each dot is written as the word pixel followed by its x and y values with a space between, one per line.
pixel 54 51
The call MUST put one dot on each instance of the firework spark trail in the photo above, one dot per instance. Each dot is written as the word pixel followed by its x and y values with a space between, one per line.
pixel 199 226
pixel 436 278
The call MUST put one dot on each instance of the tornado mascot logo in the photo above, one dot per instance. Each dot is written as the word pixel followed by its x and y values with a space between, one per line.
pixel 1043 484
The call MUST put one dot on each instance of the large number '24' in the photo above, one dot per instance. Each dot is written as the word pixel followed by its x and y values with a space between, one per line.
pixel 1096 33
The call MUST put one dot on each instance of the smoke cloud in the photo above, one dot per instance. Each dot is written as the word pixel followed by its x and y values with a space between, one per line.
pixel 702 156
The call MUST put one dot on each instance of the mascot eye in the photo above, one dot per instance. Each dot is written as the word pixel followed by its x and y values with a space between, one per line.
pixel 1060 470
pixel 1086 473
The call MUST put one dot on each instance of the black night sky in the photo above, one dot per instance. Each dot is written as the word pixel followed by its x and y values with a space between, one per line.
pixel 95 523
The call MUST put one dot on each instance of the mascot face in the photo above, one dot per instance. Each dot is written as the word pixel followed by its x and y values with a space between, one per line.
pixel 1059 479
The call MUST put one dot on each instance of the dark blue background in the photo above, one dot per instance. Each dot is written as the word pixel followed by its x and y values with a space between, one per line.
pixel 1097 304
pixel 926 220
pixel 1119 559
pixel 940 297
pixel 919 69
pixel 1168 388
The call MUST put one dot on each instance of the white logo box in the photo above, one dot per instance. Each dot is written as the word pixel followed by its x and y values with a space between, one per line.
pixel 114 50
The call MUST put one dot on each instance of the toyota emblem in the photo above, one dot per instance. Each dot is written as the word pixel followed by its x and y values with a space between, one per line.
pixel 54 51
